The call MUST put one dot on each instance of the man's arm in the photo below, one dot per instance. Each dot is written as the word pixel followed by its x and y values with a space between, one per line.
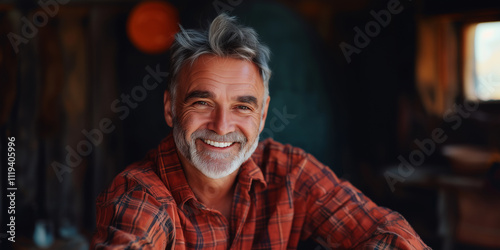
pixel 340 216
pixel 131 219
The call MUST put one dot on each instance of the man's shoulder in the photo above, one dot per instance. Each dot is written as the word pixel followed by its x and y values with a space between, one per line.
pixel 271 148
pixel 282 159
pixel 138 178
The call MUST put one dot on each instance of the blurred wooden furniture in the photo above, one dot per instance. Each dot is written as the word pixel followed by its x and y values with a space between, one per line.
pixel 468 207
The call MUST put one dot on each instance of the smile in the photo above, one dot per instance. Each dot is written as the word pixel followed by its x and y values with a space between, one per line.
pixel 218 144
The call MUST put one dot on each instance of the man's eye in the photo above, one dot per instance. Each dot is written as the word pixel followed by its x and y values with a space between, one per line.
pixel 243 107
pixel 201 103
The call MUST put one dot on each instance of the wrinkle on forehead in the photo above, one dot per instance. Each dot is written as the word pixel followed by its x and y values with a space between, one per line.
pixel 212 71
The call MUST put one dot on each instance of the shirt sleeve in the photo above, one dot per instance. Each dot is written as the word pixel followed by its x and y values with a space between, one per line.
pixel 340 216
pixel 132 220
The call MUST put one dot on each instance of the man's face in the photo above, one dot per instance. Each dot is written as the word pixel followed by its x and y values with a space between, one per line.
pixel 219 111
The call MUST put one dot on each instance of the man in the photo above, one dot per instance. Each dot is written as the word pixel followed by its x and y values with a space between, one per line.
pixel 212 185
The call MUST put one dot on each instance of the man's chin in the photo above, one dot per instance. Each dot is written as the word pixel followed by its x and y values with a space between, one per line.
pixel 217 163
pixel 216 169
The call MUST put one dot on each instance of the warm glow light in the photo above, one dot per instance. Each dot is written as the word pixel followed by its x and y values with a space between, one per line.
pixel 487 61
pixel 152 25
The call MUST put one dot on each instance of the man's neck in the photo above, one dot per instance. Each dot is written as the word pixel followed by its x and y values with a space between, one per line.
pixel 214 193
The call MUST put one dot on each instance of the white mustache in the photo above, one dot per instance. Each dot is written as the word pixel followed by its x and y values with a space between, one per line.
pixel 210 135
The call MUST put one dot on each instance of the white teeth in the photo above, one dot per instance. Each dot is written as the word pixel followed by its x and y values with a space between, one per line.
pixel 218 144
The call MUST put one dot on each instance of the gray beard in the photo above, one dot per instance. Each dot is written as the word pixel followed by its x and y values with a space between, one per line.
pixel 209 163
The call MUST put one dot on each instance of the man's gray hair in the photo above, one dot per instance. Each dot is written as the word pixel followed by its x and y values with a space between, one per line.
pixel 224 38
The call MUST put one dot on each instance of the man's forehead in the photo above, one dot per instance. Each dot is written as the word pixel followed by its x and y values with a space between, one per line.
pixel 210 71
pixel 224 66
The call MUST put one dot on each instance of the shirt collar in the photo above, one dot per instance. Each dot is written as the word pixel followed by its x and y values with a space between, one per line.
pixel 170 170
pixel 172 174
pixel 250 172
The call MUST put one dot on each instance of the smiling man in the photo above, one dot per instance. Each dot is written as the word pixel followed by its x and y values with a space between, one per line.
pixel 212 185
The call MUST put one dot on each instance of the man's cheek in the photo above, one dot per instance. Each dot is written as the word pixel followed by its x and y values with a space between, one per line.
pixel 250 123
pixel 190 123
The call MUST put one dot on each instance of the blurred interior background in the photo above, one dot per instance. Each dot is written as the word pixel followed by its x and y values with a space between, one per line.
pixel 402 98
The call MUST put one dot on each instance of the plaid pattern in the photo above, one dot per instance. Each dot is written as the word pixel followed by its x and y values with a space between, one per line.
pixel 282 195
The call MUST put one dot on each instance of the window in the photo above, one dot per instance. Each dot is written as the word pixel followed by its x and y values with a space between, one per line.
pixel 482 61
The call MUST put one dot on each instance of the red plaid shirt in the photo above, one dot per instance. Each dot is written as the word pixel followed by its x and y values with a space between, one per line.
pixel 282 195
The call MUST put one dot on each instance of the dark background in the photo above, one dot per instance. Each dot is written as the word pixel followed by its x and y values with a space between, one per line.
pixel 355 117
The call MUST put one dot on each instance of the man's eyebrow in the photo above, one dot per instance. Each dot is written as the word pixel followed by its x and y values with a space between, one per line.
pixel 248 99
pixel 198 94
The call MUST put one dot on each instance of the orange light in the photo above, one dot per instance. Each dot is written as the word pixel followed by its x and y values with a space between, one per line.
pixel 152 25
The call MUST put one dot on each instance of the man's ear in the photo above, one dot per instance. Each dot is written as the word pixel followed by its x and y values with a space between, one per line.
pixel 264 115
pixel 167 106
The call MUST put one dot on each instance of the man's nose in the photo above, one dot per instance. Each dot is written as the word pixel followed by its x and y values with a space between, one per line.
pixel 222 121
